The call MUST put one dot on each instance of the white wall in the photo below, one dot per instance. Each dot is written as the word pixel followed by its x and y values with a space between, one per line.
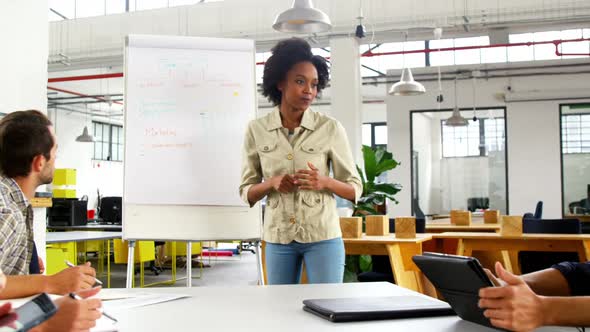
pixel 23 64
pixel 106 176
pixel 422 143
pixel 532 137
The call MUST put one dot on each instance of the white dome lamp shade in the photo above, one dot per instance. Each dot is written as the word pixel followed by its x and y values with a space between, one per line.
pixel 302 18
pixel 85 138
pixel 406 85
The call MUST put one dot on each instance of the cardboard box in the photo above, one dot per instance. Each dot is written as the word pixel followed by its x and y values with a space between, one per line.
pixel 377 225
pixel 460 217
pixel 491 217
pixel 511 225
pixel 352 227
pixel 405 227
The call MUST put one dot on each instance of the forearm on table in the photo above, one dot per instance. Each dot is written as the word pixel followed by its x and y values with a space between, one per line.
pixel 259 191
pixel 341 189
pixel 566 311
pixel 548 282
pixel 24 285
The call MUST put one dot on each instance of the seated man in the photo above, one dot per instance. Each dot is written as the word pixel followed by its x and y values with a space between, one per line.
pixel 559 295
pixel 72 315
pixel 27 157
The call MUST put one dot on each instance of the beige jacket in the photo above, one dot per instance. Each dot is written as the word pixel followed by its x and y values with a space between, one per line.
pixel 305 215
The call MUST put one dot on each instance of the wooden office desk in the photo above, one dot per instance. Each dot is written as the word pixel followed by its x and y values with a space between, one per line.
pixel 400 252
pixel 80 236
pixel 275 308
pixel 511 245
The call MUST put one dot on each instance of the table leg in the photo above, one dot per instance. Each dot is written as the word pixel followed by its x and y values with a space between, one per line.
pixel 405 272
pixel 263 261
pixel 108 263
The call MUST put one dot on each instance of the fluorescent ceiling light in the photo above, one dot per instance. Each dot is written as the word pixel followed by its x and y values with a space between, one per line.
pixel 302 18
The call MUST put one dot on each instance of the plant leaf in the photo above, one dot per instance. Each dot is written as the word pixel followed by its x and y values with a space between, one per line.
pixel 389 188
pixel 370 163
pixel 379 153
pixel 385 165
pixel 365 263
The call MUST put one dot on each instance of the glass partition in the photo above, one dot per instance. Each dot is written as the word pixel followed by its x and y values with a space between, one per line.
pixel 459 167
pixel 575 159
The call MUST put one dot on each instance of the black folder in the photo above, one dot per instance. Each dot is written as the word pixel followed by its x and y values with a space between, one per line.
pixel 374 308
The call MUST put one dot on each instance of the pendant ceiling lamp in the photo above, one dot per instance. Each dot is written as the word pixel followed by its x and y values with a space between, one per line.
pixel 302 18
pixel 85 137
pixel 456 119
pixel 406 85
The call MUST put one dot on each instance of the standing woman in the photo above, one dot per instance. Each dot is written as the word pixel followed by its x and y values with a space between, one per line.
pixel 287 157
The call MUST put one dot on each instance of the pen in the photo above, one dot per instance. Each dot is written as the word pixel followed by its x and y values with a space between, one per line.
pixel 76 297
pixel 72 265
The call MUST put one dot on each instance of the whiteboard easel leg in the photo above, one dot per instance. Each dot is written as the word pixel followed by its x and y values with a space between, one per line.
pixel 130 263
pixel 259 261
pixel 189 263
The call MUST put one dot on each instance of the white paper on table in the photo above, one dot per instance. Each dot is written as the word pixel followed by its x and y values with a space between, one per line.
pixel 138 300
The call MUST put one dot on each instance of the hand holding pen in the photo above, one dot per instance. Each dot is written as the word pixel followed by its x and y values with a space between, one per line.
pixel 68 263
pixel 76 297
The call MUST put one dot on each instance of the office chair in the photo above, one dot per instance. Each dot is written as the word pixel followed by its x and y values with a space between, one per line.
pixel 417 210
pixel 110 209
pixel 539 210
pixel 381 265
pixel 474 203
pixel 531 261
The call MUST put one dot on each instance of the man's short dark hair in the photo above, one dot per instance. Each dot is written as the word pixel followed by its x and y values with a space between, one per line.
pixel 286 54
pixel 23 136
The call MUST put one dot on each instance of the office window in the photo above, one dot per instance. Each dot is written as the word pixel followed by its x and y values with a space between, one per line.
pixel 575 133
pixel 547 51
pixel 474 140
pixel 374 66
pixel 108 141
pixel 374 134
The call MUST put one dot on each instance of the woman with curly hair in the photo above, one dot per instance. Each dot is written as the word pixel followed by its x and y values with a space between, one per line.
pixel 288 155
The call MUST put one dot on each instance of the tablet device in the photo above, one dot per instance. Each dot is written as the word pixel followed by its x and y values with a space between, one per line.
pixel 374 308
pixel 31 314
pixel 458 279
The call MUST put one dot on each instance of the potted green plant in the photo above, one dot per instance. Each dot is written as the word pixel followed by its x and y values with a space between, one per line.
pixel 373 199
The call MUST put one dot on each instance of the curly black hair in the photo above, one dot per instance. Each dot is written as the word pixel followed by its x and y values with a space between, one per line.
pixel 286 54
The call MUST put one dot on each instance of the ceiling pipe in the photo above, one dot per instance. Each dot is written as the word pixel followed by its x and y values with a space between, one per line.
pixel 84 77
pixel 369 53
pixel 83 95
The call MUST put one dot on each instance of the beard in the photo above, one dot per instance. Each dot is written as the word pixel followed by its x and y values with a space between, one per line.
pixel 46 176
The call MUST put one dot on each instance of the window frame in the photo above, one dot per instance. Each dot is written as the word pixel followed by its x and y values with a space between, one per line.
pixel 112 128
pixel 483 151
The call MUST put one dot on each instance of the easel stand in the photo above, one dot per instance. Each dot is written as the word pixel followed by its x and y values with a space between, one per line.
pixel 131 259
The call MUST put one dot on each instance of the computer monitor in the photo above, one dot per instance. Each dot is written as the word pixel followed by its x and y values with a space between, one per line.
pixel 111 209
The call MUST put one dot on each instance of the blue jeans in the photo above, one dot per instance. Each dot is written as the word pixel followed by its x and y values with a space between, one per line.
pixel 324 262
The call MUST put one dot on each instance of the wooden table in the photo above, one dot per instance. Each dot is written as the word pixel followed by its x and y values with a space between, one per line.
pixel 511 245
pixel 400 252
